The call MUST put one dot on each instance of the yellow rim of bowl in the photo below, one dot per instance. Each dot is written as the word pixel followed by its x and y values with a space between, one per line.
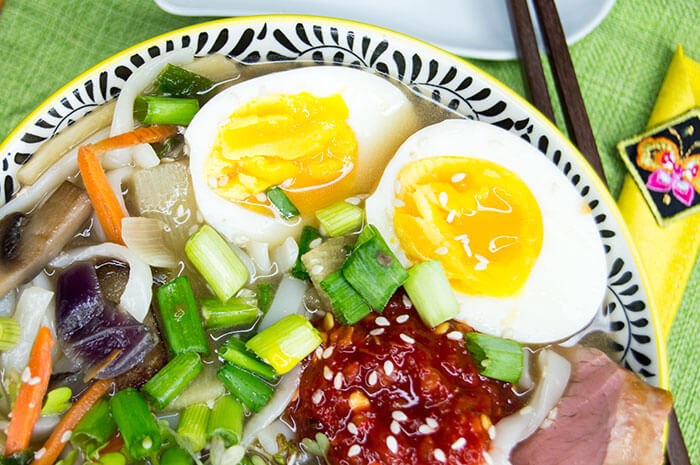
pixel 583 163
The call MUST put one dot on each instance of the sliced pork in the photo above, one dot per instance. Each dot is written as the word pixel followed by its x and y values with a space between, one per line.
pixel 607 416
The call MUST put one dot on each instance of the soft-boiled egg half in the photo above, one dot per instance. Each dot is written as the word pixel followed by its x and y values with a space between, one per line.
pixel 321 134
pixel 517 242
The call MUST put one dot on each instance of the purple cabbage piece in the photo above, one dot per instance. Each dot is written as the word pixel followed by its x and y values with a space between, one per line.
pixel 91 328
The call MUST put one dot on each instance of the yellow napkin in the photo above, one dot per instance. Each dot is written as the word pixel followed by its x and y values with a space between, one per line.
pixel 668 253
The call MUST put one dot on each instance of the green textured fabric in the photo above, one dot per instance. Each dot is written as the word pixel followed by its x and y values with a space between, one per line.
pixel 621 64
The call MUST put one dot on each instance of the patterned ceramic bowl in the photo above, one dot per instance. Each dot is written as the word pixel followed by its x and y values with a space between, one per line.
pixel 440 76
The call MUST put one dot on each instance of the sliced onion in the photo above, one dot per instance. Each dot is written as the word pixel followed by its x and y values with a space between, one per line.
pixel 511 430
pixel 32 305
pixel 145 237
pixel 123 120
pixel 116 180
pixel 7 303
pixel 283 396
pixel 288 300
pixel 285 255
pixel 260 253
pixel 268 436
pixel 136 299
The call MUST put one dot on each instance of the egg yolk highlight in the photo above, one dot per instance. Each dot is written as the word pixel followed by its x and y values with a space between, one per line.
pixel 300 142
pixel 475 216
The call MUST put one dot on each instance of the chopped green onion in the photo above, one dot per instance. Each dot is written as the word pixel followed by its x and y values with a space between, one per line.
pixel 165 110
pixel 176 456
pixel 265 295
pixel 112 458
pixel 57 401
pixel 341 218
pixel 173 378
pixel 180 317
pixel 95 429
pixel 286 342
pixel 234 312
pixel 368 232
pixel 216 262
pixel 281 202
pixel 496 357
pixel 226 421
pixel 347 305
pixel 9 333
pixel 308 235
pixel 193 425
pixel 431 293
pixel 135 422
pixel 245 386
pixel 174 81
pixel 374 271
pixel 234 351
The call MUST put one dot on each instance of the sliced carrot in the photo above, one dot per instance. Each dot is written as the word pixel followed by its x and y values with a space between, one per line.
pixel 107 207
pixel 31 394
pixel 53 446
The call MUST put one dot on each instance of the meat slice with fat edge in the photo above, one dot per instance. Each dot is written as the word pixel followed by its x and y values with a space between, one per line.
pixel 607 416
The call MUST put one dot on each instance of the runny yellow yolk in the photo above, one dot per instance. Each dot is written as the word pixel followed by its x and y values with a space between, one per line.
pixel 299 142
pixel 477 217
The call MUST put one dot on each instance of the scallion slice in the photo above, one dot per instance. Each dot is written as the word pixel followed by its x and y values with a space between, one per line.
pixel 57 401
pixel 136 423
pixel 173 378
pixel 308 235
pixel 234 312
pixel 9 333
pixel 234 351
pixel 245 386
pixel 175 81
pixel 216 262
pixel 496 357
pixel 165 110
pixel 347 305
pixel 286 342
pixel 281 202
pixel 180 317
pixel 226 421
pixel 193 425
pixel 340 218
pixel 374 271
pixel 94 429
pixel 368 232
pixel 431 293
pixel 264 294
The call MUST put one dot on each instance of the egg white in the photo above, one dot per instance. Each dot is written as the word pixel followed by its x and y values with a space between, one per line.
pixel 567 283
pixel 380 115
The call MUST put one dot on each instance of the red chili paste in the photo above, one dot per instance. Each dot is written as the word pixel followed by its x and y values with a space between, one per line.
pixel 389 390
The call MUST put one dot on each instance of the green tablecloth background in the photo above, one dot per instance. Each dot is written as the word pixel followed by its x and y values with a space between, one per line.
pixel 45 43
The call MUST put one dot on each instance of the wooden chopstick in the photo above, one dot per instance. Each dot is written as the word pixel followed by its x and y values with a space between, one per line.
pixel 577 121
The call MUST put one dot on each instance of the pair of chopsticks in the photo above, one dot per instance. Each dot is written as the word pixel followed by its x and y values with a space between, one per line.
pixel 576 119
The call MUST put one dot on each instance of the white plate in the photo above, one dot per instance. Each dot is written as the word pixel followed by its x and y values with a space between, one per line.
pixel 473 28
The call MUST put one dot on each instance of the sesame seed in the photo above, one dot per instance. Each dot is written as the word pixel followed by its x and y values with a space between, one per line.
pixel 328 352
pixel 406 338
pixel 66 436
pixel 388 367
pixel 443 198
pixel 398 415
pixel 455 336
pixel 147 443
pixel 425 429
pixel 315 243
pixel 488 458
pixel 402 319
pixel 26 375
pixel 439 455
pixel 338 380
pixel 372 378
pixel 354 450
pixel 459 443
pixel 327 373
pixel 32 405
pixel 40 453
pixel 352 429
pixel 316 269
pixel 492 432
pixel 432 422
pixel 392 444
pixel 376 332
pixel 319 352
pixel 406 300
pixel 382 321
pixel 451 216
pixel 399 203
pixel 317 397
pixel 353 200
pixel 457 177
pixel 395 427
pixel 260 197
pixel 34 381
pixel 441 250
